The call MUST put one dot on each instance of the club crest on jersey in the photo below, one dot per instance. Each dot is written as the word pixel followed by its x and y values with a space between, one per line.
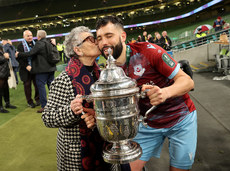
pixel 139 70
pixel 168 60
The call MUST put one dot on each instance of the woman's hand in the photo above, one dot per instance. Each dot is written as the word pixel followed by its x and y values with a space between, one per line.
pixel 89 117
pixel 76 105
pixel 156 94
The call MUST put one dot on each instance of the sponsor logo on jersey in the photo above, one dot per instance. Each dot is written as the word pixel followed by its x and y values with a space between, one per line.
pixel 150 46
pixel 168 60
pixel 139 70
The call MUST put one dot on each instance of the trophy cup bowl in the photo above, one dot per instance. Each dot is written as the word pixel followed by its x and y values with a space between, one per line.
pixel 115 99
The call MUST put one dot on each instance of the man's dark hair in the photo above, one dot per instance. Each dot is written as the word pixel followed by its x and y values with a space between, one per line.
pixel 105 20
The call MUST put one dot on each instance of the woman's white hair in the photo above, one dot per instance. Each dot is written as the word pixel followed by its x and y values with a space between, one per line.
pixel 73 39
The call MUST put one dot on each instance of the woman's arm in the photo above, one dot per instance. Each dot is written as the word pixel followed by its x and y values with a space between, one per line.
pixel 57 112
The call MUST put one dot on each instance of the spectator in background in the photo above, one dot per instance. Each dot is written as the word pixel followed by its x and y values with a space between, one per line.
pixel 218 24
pixel 133 40
pixel 201 36
pixel 144 37
pixel 155 36
pixel 4 88
pixel 24 69
pixel 60 50
pixel 150 38
pixel 158 40
pixel 166 41
pixel 40 66
pixel 139 38
pixel 226 28
pixel 9 48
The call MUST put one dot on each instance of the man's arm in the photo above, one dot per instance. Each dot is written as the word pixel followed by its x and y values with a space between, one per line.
pixel 33 51
pixel 182 85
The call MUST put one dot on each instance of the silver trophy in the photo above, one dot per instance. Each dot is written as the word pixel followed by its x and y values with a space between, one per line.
pixel 115 99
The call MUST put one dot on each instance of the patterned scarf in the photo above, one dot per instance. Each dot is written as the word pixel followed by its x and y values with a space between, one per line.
pixel 91 141
pixel 27 49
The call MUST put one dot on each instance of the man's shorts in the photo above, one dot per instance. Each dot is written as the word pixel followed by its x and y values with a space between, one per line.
pixel 182 141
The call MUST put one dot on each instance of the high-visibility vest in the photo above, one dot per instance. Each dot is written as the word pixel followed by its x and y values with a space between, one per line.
pixel 200 35
pixel 59 47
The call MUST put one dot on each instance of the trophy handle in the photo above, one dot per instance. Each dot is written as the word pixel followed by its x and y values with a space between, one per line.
pixel 142 119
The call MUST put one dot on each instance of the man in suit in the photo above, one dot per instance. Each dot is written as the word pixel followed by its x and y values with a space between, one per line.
pixel 40 66
pixel 24 69
pixel 167 43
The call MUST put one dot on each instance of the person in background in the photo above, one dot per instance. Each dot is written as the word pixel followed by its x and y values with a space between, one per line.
pixel 139 38
pixel 155 36
pixel 79 147
pixel 201 36
pixel 144 37
pixel 9 48
pixel 158 40
pixel 25 69
pixel 150 38
pixel 4 75
pixel 218 24
pixel 60 50
pixel 43 70
pixel 167 43
pixel 174 116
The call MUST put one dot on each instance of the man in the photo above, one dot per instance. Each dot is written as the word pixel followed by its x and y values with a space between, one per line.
pixel 201 36
pixel 167 43
pixel 218 24
pixel 40 66
pixel 60 50
pixel 144 37
pixel 9 48
pixel 153 69
pixel 24 69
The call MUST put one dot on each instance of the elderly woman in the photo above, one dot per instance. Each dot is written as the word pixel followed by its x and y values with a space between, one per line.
pixel 78 146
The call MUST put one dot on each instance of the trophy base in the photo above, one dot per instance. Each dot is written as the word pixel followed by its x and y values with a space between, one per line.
pixel 122 152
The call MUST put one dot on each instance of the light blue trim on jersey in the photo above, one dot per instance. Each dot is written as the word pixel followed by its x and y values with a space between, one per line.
pixel 174 72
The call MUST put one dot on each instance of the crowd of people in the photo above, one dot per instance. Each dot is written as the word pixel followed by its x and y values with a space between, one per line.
pixel 219 25
pixel 79 144
pixel 161 40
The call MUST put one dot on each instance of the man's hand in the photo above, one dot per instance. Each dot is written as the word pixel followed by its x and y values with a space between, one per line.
pixel 76 105
pixel 89 117
pixel 53 41
pixel 7 56
pixel 29 68
pixel 156 94
pixel 16 54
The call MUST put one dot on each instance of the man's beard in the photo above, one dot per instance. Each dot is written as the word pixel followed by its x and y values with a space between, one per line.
pixel 116 50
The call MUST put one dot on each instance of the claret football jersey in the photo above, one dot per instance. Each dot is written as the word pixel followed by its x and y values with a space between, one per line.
pixel 150 64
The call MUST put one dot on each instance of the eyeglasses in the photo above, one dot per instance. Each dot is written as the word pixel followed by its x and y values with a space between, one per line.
pixel 90 38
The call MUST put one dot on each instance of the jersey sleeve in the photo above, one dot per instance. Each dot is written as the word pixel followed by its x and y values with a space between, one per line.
pixel 162 61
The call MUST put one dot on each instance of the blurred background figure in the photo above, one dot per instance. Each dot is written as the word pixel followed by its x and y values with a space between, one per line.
pixel 150 38
pixel 144 37
pixel 4 75
pixel 10 49
pixel 166 41
pixel 24 69
pixel 61 51
pixel 218 24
